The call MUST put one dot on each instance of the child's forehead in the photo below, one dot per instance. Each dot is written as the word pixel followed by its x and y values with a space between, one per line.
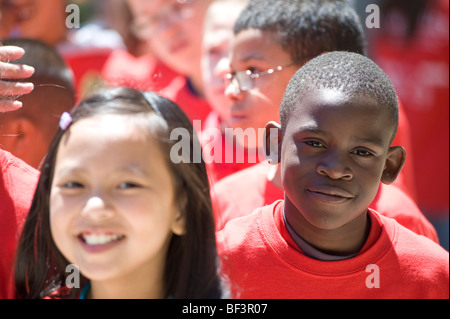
pixel 256 44
pixel 324 100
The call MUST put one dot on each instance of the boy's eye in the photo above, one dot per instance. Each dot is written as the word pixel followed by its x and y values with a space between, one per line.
pixel 253 70
pixel 314 143
pixel 362 152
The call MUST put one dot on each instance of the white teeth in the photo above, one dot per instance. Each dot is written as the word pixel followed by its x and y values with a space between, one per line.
pixel 95 239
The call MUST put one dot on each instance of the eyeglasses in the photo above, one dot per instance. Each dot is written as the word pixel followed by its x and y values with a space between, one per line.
pixel 178 10
pixel 245 80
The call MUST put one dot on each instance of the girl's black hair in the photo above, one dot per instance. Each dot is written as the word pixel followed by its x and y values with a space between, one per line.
pixel 191 267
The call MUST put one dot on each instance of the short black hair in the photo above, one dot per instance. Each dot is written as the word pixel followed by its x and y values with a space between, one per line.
pixel 350 73
pixel 306 28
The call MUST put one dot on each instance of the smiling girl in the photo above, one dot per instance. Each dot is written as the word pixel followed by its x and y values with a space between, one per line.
pixel 111 201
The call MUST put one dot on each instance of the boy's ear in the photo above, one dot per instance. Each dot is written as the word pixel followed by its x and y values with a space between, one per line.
pixel 394 164
pixel 20 130
pixel 272 142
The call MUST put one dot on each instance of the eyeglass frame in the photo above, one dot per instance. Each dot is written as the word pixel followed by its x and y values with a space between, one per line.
pixel 230 77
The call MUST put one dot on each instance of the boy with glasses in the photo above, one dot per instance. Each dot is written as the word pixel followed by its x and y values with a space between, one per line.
pixel 217 36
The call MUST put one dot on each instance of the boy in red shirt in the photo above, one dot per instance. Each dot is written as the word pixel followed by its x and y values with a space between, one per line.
pixel 335 26
pixel 217 35
pixel 339 116
pixel 27 132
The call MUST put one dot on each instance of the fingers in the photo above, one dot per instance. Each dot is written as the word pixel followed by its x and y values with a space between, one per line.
pixel 12 89
pixel 9 105
pixel 13 71
pixel 10 53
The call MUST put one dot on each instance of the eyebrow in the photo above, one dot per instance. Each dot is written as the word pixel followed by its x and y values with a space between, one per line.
pixel 376 141
pixel 253 56
pixel 134 169
pixel 311 129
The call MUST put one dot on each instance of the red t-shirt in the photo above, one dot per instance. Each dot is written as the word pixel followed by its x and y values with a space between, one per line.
pixel 241 193
pixel 140 73
pixel 146 73
pixel 419 69
pixel 405 180
pixel 215 148
pixel 86 67
pixel 18 181
pixel 260 260
pixel 179 91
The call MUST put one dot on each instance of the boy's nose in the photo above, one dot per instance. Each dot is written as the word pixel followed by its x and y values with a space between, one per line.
pixel 233 92
pixel 335 166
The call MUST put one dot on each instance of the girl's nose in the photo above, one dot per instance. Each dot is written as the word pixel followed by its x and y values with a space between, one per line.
pixel 97 208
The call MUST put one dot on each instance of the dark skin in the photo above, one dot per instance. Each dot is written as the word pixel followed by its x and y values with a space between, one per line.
pixel 334 151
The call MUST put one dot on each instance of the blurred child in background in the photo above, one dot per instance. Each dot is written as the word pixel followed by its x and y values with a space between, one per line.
pixel 27 132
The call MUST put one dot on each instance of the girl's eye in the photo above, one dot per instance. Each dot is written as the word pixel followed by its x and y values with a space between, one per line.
pixel 72 185
pixel 128 185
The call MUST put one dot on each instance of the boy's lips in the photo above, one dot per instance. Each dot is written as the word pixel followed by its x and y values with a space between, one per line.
pixel 237 118
pixel 329 194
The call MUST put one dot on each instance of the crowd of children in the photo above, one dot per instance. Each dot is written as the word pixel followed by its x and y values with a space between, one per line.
pixel 318 198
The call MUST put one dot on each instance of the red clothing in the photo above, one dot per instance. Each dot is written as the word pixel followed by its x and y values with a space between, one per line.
pixel 215 147
pixel 405 180
pixel 140 73
pixel 179 91
pixel 18 181
pixel 147 73
pixel 261 260
pixel 238 201
pixel 419 69
pixel 86 67
pixel 241 193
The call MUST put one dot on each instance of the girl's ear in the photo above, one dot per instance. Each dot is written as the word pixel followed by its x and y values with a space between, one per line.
pixel 394 164
pixel 179 225
pixel 272 142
